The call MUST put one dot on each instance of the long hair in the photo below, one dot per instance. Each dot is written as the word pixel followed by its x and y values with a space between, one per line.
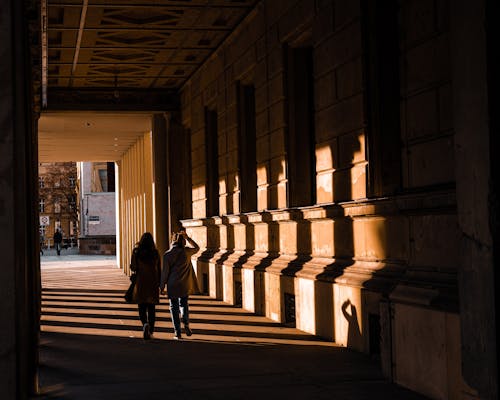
pixel 146 248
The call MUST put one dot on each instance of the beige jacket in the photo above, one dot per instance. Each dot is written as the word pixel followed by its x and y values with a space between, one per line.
pixel 178 273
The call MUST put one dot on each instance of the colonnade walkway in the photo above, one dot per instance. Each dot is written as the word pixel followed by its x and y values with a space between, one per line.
pixel 92 348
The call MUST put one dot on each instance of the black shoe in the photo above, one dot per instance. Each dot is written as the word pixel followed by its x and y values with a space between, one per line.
pixel 145 331
pixel 188 331
pixel 177 335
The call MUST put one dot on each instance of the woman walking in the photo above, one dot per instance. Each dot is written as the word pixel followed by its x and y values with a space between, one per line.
pixel 145 263
pixel 179 276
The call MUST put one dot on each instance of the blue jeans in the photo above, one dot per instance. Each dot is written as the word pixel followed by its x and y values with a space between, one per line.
pixel 181 303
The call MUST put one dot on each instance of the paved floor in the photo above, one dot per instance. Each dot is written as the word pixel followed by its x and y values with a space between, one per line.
pixel 92 348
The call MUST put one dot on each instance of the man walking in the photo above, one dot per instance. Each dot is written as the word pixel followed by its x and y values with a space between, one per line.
pixel 57 241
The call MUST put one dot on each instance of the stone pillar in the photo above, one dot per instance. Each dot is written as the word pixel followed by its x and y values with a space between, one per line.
pixel 19 271
pixel 178 172
pixel 473 166
pixel 137 212
pixel 160 182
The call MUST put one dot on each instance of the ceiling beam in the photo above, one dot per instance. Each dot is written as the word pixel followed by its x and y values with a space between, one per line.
pixel 82 99
pixel 157 6
pixel 142 29
pixel 83 16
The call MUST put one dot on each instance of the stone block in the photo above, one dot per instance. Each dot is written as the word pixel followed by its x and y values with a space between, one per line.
pixel 324 187
pixel 261 123
pixel 323 22
pixel 248 288
pixel 262 150
pixel 277 144
pixel 422 340
pixel 419 20
pixel 351 149
pixel 262 174
pixel 277 114
pixel 276 89
pixel 293 21
pixel 343 117
pixel 228 284
pixel 262 198
pixel 431 162
pixel 445 108
pixel 348 319
pixel 326 155
pixel 275 61
pixel 427 64
pixel 350 184
pixel 232 160
pixel 198 141
pixel 435 240
pixel 325 93
pixel 260 50
pixel 277 170
pixel 349 79
pixel 245 62
pixel 288 237
pixel 346 12
pixel 198 174
pixel 232 139
pixel 215 281
pixel 322 238
pixel 338 49
pixel 379 238
pixel 305 301
pixel 260 73
pixel 282 198
pixel 273 306
pixel 199 208
pixel 422 115
pixel 261 101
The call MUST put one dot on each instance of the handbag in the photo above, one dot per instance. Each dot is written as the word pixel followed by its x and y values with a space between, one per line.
pixel 130 291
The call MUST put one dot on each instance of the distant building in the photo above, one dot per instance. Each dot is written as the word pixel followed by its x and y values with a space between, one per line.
pixel 96 198
pixel 57 202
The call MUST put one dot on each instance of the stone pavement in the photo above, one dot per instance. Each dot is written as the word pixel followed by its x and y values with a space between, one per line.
pixel 92 348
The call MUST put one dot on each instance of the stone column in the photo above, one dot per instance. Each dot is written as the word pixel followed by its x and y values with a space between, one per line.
pixel 178 172
pixel 19 286
pixel 473 168
pixel 160 182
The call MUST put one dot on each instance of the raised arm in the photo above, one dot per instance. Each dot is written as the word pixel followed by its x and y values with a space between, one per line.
pixel 194 246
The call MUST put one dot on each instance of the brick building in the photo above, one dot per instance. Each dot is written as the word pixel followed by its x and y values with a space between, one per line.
pixel 57 202
pixel 96 198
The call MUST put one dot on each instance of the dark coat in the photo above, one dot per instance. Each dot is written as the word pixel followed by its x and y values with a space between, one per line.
pixel 146 288
pixel 178 273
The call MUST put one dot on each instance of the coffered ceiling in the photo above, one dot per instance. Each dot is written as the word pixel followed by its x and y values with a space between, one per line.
pixel 132 44
pixel 120 56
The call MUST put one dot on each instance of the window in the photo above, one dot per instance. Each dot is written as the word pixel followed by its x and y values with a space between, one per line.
pixel 246 148
pixel 71 203
pixel 43 231
pixel 300 139
pixel 72 181
pixel 212 164
pixel 57 207
pixel 381 69
pixel 41 182
pixel 57 183
pixel 41 206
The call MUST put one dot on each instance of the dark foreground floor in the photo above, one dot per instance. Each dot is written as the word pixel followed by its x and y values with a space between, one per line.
pixel 92 348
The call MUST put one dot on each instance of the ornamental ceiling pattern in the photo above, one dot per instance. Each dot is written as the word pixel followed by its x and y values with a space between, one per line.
pixel 134 44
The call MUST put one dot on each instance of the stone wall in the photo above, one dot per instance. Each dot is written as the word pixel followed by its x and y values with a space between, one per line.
pixel 97 245
pixel 372 262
